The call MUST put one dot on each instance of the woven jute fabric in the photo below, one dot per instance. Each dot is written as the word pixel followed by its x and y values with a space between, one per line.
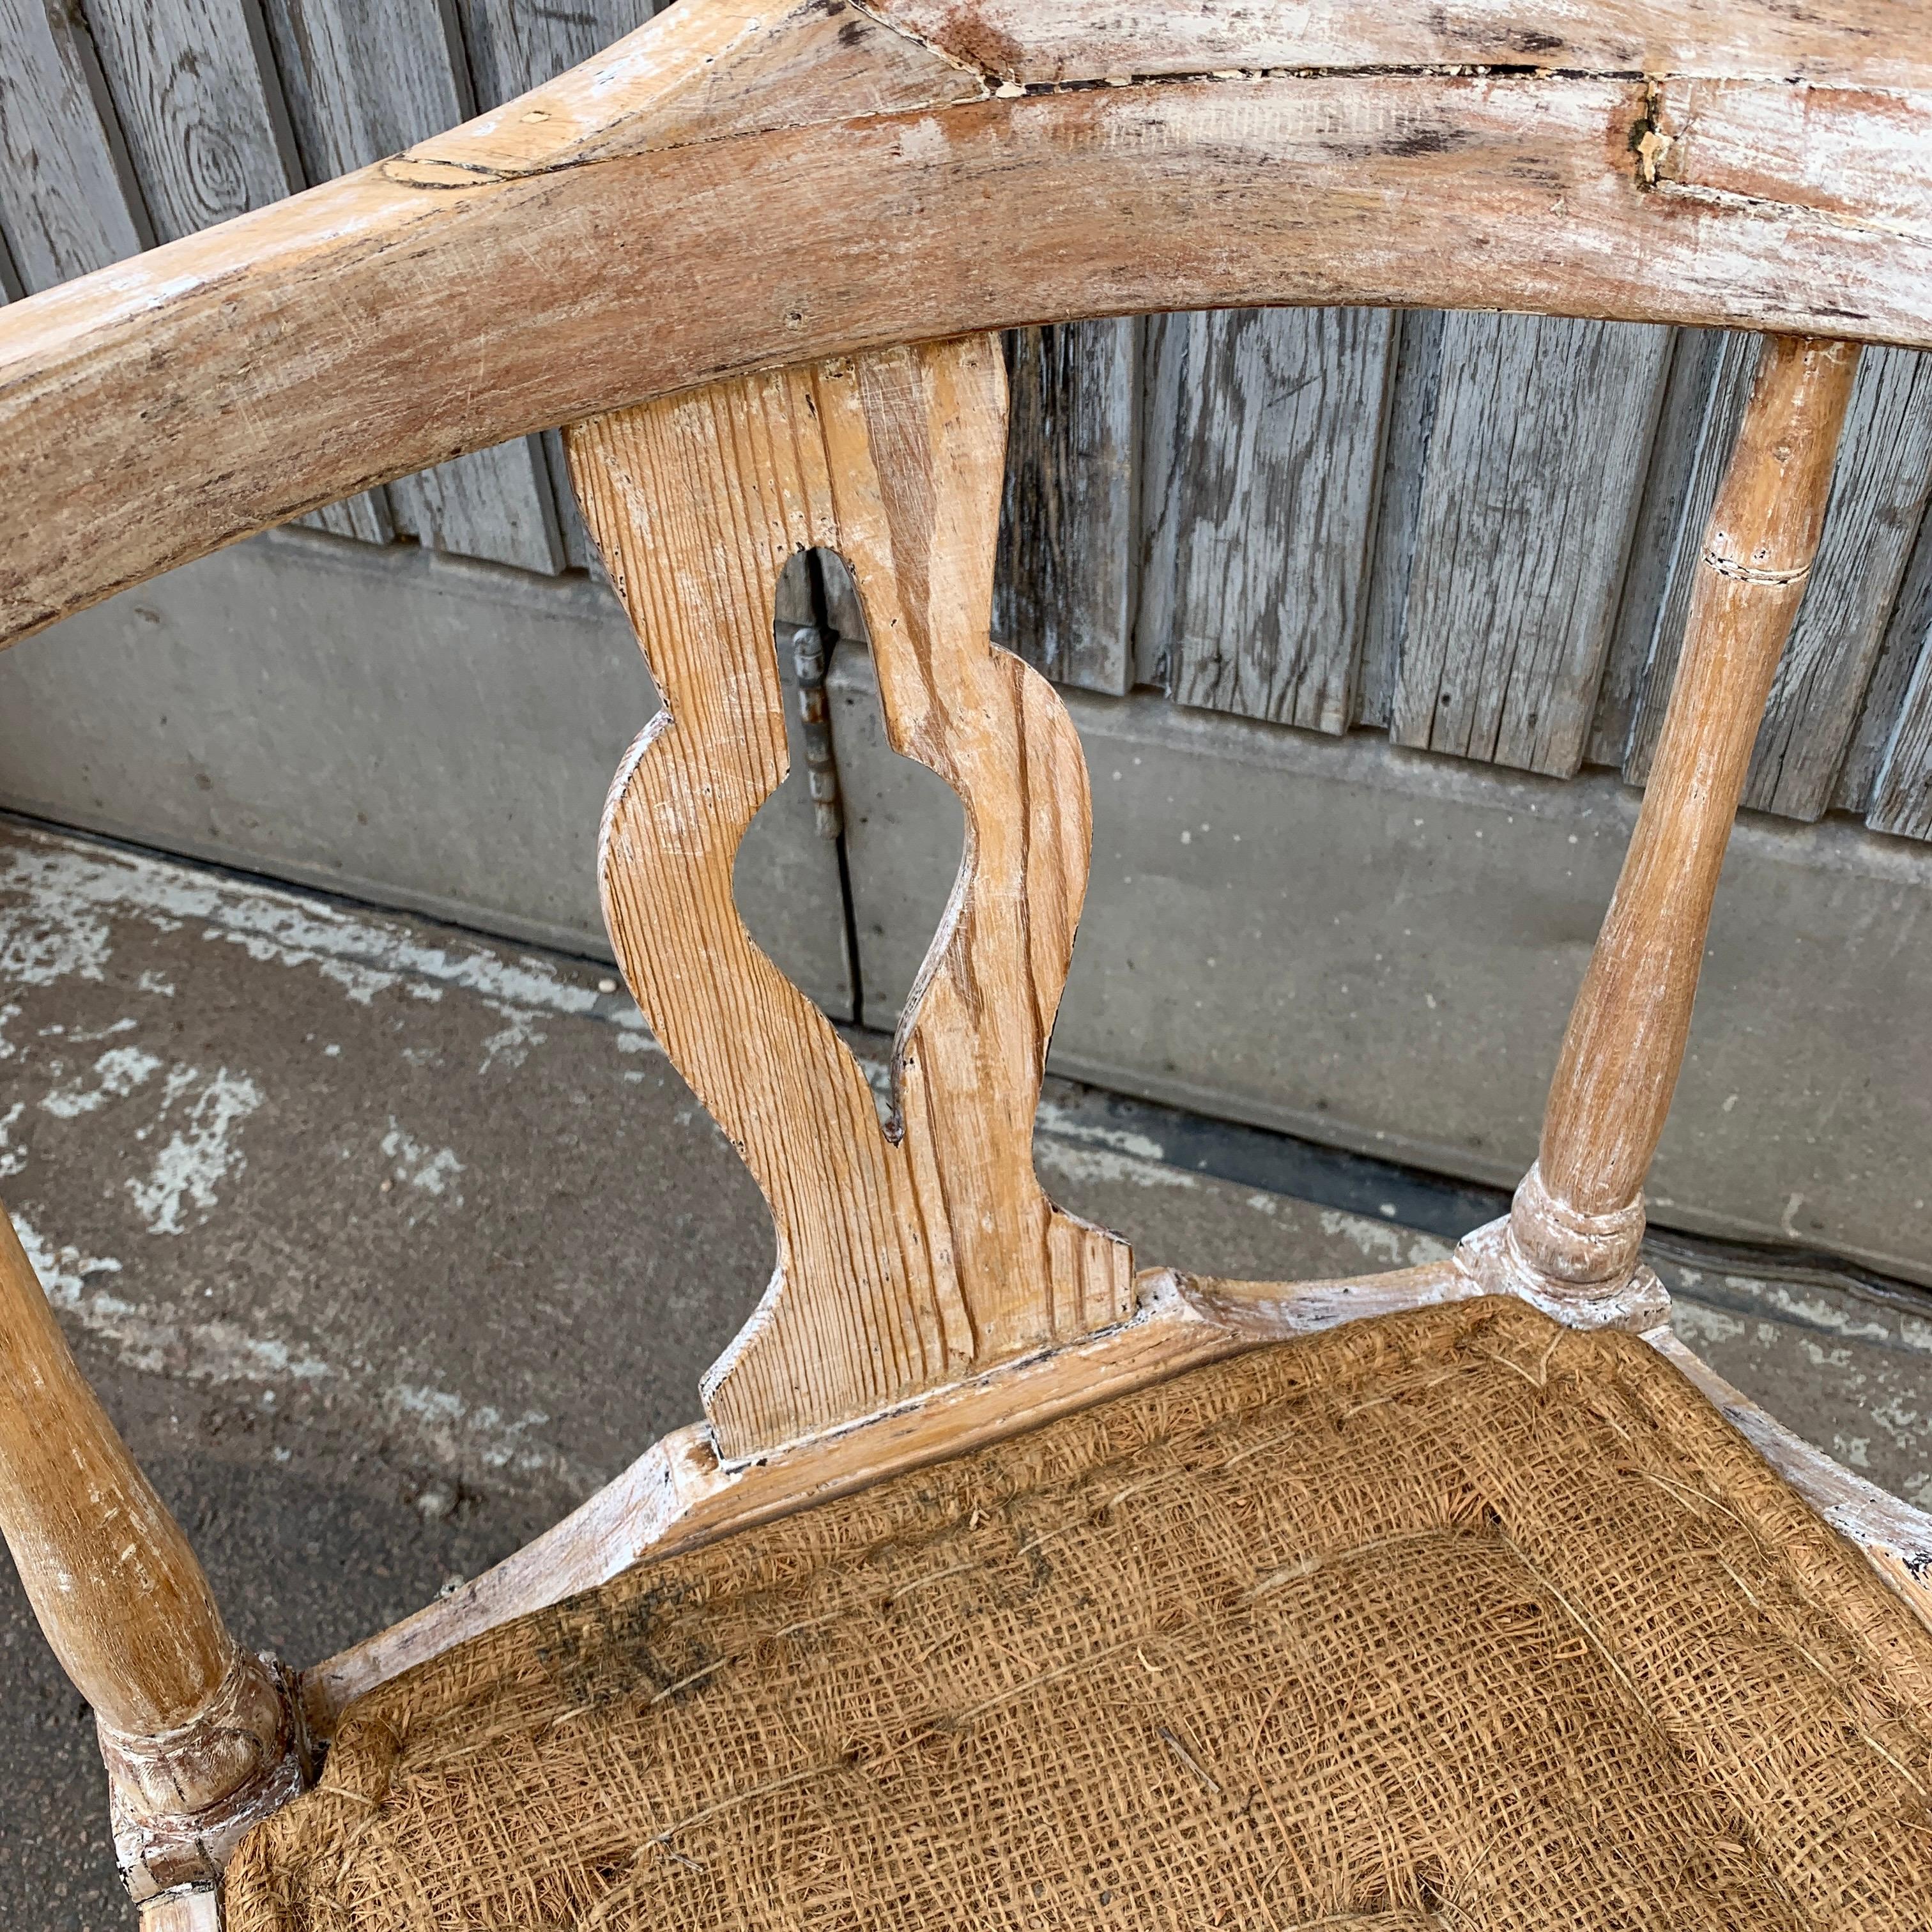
pixel 1452 1619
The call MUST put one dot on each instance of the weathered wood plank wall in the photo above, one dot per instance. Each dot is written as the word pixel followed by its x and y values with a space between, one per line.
pixel 1475 532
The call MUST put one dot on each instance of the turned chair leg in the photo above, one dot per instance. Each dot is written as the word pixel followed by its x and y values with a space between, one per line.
pixel 199 1738
pixel 1571 1241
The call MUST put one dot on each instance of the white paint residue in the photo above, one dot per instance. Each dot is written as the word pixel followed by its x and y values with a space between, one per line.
pixel 458 1433
pixel 153 983
pixel 1058 1121
pixel 116 1074
pixel 186 1170
pixel 55 929
pixel 46 937
pixel 12 1158
pixel 1103 1165
pixel 512 1044
pixel 1693 1321
pixel 417 1165
pixel 1397 1247
pixel 7 1049
pixel 634 1037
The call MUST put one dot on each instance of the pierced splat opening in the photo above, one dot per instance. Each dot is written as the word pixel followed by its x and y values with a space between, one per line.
pixel 788 877
pixel 894 793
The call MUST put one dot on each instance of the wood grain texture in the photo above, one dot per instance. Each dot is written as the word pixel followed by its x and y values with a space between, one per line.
pixel 908 1257
pixel 196 93
pixel 1878 43
pixel 1263 446
pixel 1413 392
pixel 1725 395
pixel 1063 589
pixel 68 202
pixel 1519 547
pixel 898 197
pixel 1660 516
pixel 1908 630
pixel 365 79
pixel 1878 500
pixel 1901 801
pixel 514 45
pixel 191 1729
pixel 1620 1057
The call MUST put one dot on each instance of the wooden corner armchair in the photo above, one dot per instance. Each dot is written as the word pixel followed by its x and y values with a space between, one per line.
pixel 1002 1585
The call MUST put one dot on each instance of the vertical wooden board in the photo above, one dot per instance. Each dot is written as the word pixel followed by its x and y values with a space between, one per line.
pixel 493 503
pixel 366 518
pixel 1716 435
pixel 195 90
pixel 1879 494
pixel 1694 355
pixel 1411 427
pixel 1064 593
pixel 1264 445
pixel 1902 793
pixel 364 79
pixel 1542 439
pixel 515 45
pixel 1899 666
pixel 577 553
pixel 68 201
pixel 10 290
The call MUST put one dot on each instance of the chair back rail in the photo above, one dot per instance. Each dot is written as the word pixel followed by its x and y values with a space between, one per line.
pixel 820 185
pixel 922 171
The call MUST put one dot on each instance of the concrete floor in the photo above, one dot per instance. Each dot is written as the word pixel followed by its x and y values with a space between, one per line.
pixel 384 1244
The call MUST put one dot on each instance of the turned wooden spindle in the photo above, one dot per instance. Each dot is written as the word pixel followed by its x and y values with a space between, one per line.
pixel 197 1734
pixel 1571 1240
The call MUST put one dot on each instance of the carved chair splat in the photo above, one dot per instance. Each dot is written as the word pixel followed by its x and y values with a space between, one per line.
pixel 917 1255
pixel 930 1309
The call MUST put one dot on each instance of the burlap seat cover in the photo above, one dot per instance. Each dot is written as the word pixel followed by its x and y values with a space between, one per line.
pixel 1453 1619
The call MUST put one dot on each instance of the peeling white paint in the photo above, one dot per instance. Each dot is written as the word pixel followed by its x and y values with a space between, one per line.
pixel 116 1074
pixel 12 1158
pixel 1104 1165
pixel 52 895
pixel 512 1044
pixel 45 938
pixel 417 1166
pixel 441 1426
pixel 187 1169
pixel 459 1433
pixel 1696 1321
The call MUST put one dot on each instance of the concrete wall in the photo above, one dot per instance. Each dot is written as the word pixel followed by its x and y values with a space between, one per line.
pixel 1373 947
pixel 1378 949
pixel 401 726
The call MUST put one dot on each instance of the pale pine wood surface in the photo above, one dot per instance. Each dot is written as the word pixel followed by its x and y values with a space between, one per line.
pixel 905 1258
pixel 1882 44
pixel 1421 187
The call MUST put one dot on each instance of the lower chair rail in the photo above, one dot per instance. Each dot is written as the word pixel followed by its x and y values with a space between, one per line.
pixel 678 1495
